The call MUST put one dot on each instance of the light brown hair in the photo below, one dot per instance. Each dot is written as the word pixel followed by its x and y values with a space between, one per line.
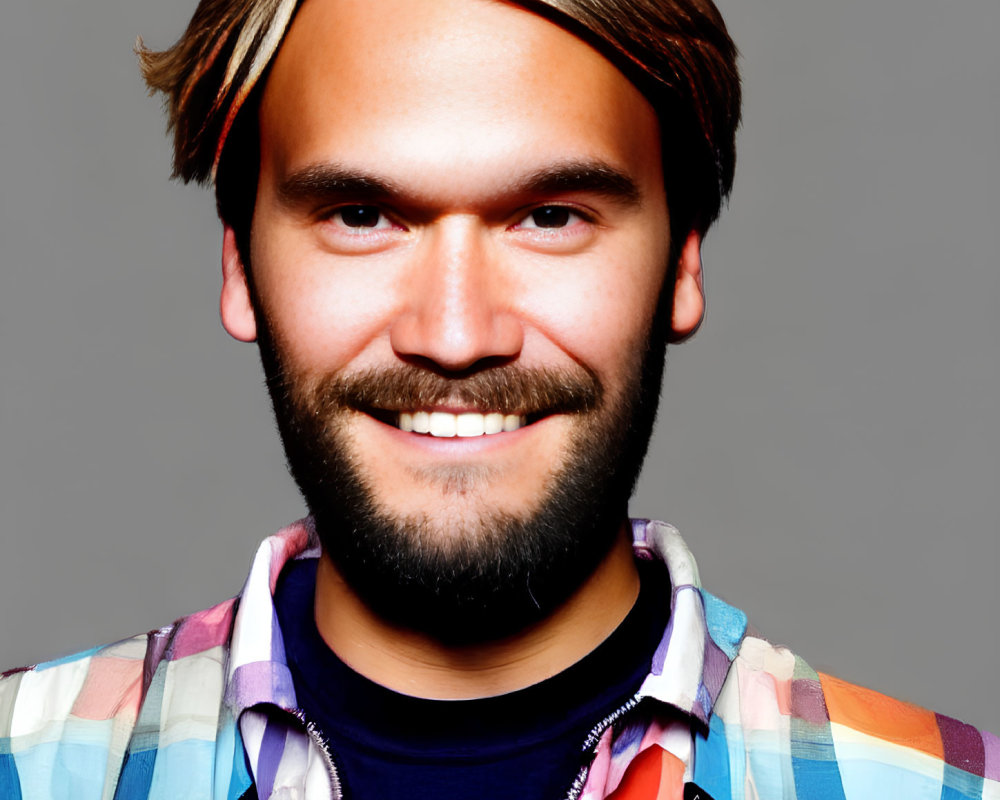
pixel 677 52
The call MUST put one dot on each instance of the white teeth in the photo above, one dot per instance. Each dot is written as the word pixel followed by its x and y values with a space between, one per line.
pixel 443 424
pixel 511 422
pixel 421 422
pixel 467 424
pixel 470 425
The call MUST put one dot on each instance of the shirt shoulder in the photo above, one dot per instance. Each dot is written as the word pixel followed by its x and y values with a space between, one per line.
pixel 75 720
pixel 828 737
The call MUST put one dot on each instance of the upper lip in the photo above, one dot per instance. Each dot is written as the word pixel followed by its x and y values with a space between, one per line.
pixel 449 409
pixel 387 412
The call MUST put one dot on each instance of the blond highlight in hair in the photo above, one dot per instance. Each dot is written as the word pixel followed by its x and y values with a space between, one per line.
pixel 208 74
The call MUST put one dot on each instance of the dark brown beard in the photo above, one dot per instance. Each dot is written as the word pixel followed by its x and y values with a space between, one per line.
pixel 488 577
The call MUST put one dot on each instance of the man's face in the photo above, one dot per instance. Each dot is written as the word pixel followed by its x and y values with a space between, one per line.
pixel 460 225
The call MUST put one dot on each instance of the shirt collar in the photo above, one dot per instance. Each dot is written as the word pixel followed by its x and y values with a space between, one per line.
pixel 687 672
pixel 257 672
pixel 703 635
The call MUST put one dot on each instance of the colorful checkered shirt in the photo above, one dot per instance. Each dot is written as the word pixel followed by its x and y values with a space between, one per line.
pixel 205 708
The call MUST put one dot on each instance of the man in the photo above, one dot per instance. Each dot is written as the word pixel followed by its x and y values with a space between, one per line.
pixel 462 233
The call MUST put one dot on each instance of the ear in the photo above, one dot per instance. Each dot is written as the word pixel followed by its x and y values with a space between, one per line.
pixel 235 307
pixel 689 291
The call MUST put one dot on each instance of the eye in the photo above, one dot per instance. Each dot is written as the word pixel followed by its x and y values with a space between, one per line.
pixel 550 217
pixel 360 218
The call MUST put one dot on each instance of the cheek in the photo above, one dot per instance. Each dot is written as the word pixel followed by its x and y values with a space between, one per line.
pixel 323 314
pixel 600 312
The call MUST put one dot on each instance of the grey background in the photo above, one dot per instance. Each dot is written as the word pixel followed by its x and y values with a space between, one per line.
pixel 828 443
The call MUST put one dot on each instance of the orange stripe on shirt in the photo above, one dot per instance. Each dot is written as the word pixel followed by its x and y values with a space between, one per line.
pixel 893 720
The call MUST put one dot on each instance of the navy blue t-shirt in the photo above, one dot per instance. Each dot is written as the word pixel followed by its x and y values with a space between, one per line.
pixel 527 744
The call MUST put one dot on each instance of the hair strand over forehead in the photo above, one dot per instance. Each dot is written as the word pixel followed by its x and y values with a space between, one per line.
pixel 208 74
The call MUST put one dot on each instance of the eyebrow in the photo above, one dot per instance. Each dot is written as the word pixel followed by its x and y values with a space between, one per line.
pixel 330 180
pixel 320 181
pixel 589 177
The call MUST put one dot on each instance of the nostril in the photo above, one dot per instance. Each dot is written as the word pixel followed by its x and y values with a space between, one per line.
pixel 456 345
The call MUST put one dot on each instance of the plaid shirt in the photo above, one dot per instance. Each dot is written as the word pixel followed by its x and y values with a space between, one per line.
pixel 191 710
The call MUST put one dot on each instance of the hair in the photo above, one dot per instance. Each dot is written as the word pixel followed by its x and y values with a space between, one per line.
pixel 678 53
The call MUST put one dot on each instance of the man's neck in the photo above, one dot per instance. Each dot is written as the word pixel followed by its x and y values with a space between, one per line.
pixel 415 664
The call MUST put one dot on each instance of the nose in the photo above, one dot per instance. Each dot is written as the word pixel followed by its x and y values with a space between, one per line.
pixel 456 310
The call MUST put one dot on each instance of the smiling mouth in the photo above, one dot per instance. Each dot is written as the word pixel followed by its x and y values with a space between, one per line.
pixel 498 400
pixel 468 424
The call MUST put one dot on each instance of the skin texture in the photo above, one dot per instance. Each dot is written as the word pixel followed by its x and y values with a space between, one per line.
pixel 454 107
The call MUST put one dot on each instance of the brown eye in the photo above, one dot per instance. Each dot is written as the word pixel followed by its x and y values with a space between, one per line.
pixel 360 216
pixel 551 217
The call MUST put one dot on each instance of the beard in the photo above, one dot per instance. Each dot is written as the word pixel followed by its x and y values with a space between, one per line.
pixel 479 575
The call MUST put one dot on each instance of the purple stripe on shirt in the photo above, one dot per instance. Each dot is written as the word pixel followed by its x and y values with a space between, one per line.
pixel 260 682
pixel 963 746
pixel 807 701
pixel 156 646
pixel 991 756
pixel 656 668
pixel 714 670
pixel 271 748
pixel 277 640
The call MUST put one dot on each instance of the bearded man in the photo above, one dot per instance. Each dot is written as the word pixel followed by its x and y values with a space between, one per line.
pixel 462 233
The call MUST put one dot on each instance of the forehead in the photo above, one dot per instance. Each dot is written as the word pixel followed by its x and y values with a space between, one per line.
pixel 476 82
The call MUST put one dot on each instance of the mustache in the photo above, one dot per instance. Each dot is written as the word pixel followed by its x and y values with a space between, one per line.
pixel 508 389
